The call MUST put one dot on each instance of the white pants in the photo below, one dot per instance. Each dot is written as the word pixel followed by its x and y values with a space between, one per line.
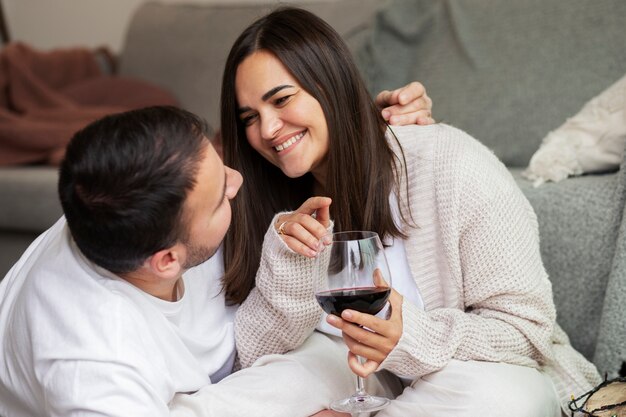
pixel 472 388
pixel 306 380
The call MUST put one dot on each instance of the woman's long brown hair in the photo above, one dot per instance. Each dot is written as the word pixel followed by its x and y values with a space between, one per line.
pixel 361 165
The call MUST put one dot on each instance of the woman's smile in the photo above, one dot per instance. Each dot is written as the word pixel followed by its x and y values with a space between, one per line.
pixel 287 145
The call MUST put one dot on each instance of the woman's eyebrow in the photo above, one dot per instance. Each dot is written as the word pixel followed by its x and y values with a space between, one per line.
pixel 275 90
pixel 266 96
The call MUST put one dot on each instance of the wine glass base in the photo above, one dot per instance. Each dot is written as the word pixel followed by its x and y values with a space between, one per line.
pixel 360 404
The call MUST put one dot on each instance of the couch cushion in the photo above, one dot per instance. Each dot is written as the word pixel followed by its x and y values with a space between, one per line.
pixel 578 224
pixel 508 72
pixel 167 44
pixel 30 201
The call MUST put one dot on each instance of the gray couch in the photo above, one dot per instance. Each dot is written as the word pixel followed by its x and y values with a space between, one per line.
pixel 506 72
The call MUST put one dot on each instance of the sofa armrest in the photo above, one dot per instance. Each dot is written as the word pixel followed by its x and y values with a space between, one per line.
pixel 30 193
pixel 610 353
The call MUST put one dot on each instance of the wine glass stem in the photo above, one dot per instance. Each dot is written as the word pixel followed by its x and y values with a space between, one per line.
pixel 359 386
pixel 360 389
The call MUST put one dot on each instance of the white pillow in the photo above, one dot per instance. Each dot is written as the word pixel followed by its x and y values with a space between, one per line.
pixel 591 141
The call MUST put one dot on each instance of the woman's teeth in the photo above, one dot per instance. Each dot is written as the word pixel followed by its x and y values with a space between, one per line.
pixel 290 142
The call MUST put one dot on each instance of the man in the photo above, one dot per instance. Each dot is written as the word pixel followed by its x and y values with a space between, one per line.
pixel 97 316
pixel 118 306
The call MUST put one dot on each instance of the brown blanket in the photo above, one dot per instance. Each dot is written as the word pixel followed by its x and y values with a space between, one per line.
pixel 47 96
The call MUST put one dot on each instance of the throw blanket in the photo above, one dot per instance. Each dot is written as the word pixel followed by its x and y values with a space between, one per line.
pixel 47 96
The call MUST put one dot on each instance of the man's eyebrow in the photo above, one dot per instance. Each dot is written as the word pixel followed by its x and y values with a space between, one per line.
pixel 265 96
pixel 219 203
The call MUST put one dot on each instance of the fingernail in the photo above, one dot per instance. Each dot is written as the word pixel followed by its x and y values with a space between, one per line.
pixel 346 314
pixel 311 253
pixel 331 319
pixel 386 114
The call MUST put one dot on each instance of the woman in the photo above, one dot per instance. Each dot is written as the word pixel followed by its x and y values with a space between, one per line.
pixel 474 331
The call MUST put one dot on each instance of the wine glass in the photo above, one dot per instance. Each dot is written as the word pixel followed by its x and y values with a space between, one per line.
pixel 347 270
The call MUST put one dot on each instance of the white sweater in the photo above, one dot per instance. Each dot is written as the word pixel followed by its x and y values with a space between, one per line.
pixel 78 340
pixel 475 259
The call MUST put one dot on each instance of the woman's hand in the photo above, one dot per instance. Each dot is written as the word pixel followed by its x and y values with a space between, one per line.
pixel 407 105
pixel 375 344
pixel 302 229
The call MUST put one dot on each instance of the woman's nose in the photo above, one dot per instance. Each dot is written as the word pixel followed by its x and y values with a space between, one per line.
pixel 270 126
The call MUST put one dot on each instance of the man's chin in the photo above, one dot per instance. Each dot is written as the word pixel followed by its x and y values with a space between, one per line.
pixel 198 256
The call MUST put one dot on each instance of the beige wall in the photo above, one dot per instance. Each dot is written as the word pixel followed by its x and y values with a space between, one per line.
pixel 48 24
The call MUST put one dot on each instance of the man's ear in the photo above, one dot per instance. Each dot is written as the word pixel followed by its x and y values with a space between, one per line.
pixel 166 263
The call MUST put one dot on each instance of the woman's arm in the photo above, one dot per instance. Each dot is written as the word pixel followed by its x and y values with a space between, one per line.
pixel 281 311
pixel 507 313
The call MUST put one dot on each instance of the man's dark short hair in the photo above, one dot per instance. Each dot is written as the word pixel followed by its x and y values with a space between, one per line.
pixel 124 181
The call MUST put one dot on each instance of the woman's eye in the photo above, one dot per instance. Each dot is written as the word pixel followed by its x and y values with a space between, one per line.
pixel 282 100
pixel 248 120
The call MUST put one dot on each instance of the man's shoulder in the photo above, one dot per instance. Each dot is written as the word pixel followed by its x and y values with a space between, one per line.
pixel 51 268
pixel 54 300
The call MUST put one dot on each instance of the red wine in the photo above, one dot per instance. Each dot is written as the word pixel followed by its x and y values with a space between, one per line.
pixel 368 300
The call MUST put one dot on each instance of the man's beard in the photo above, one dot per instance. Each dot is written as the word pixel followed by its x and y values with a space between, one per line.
pixel 197 254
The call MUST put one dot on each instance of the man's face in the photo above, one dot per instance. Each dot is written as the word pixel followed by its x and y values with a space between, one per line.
pixel 207 208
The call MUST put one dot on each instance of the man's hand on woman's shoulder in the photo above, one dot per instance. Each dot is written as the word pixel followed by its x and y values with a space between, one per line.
pixel 406 105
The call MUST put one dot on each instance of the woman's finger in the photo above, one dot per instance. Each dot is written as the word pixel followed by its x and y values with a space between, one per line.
pixel 361 369
pixel 310 225
pixel 312 204
pixel 299 247
pixel 302 229
pixel 361 348
pixel 303 234
pixel 383 340
pixel 391 328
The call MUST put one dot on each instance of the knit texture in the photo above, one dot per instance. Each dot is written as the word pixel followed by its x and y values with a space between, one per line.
pixel 281 311
pixel 473 250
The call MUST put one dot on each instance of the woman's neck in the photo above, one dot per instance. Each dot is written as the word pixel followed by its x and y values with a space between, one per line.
pixel 319 180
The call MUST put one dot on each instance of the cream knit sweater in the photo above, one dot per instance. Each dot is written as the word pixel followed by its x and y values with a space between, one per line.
pixel 474 255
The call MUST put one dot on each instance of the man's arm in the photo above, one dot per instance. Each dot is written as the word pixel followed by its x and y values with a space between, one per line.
pixel 92 388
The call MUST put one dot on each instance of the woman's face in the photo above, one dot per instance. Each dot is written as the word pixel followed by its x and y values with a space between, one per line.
pixel 284 123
